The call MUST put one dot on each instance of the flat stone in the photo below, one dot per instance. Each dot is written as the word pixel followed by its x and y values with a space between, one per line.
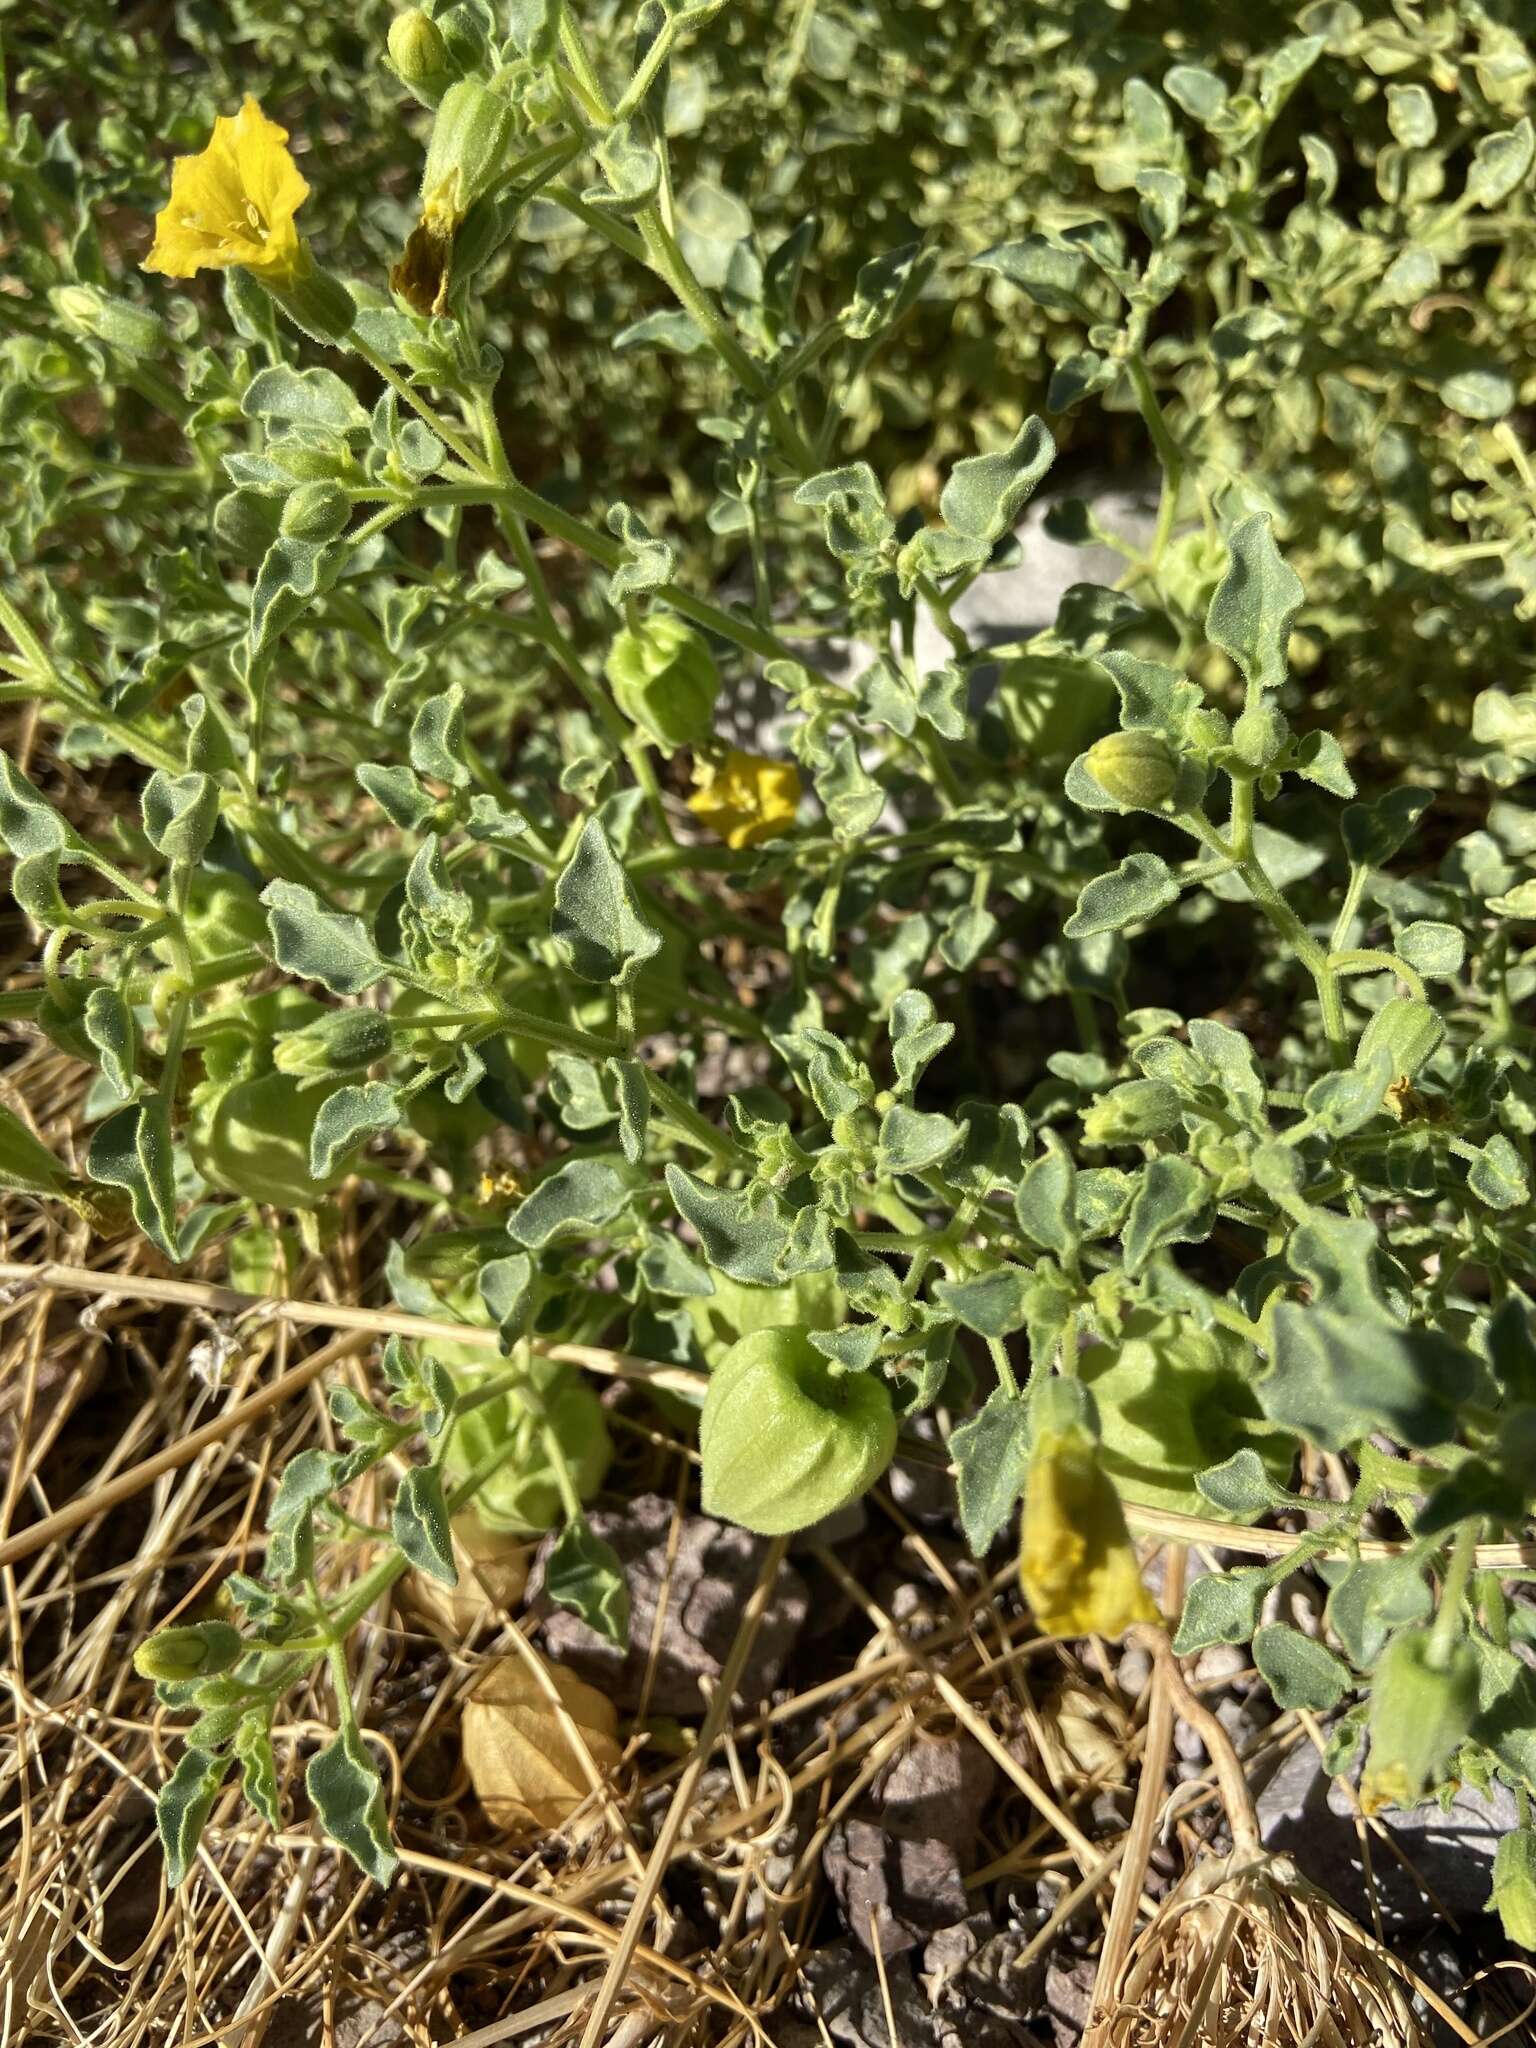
pixel 1308 1815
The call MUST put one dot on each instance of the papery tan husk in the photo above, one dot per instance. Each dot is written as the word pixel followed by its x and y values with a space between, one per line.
pixel 1247 1954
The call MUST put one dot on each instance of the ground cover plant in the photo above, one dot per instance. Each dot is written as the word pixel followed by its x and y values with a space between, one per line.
pixel 523 858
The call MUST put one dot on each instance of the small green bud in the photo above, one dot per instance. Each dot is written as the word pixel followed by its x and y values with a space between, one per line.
pixel 785 1438
pixel 1421 1713
pixel 1514 1886
pixel 1131 1113
pixel 196 1651
pixel 1137 768
pixel 341 1042
pixel 1259 735
pixel 317 511
pixel 664 680
pixel 1409 1029
pixel 419 55
pixel 132 331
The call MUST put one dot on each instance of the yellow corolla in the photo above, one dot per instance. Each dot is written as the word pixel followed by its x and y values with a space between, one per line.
pixel 1078 1565
pixel 234 205
pixel 749 799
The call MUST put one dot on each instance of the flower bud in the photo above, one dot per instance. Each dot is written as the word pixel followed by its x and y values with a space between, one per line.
pixel 317 511
pixel 1132 1113
pixel 787 1439
pixel 132 331
pixel 1421 1713
pixel 419 55
pixel 664 680
pixel 1409 1029
pixel 192 1652
pixel 1514 1886
pixel 341 1042
pixel 1137 768
pixel 1259 735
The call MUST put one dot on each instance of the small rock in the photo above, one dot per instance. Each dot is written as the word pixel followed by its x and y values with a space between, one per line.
pixel 1307 1815
pixel 897 1867
pixel 706 1587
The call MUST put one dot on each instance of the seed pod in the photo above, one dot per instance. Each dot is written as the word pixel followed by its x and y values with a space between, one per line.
pixel 664 680
pixel 1137 768
pixel 1134 1111
pixel 786 1439
pixel 253 1139
pixel 195 1651
pixel 1514 1886
pixel 1421 1713
pixel 317 511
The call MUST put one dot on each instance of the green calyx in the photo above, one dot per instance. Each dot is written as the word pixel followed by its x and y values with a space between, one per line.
pixel 664 680
pixel 786 1439
pixel 1137 768
pixel 1421 1713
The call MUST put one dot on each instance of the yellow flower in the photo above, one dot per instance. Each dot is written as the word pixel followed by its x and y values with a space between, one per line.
pixel 1078 1565
pixel 749 799
pixel 234 205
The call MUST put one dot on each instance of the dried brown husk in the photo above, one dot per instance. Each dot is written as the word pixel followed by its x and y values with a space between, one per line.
pixel 493 1570
pixel 1247 1954
pixel 524 1754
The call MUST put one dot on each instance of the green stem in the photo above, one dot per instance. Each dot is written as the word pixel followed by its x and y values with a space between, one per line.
pixel 1446 1631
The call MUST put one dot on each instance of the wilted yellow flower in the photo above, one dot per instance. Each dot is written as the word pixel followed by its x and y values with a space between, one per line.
pixel 1078 1565
pixel 749 799
pixel 234 205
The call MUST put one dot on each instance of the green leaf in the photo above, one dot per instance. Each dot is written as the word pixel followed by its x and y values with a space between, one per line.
pixel 634 1097
pixel 1241 1487
pixel 307 1481
pixel 258 1768
pixel 1433 949
pixel 110 1028
pixel 1374 1597
pixel 304 398
pixel 992 1304
pixel 27 1167
pixel 648 563
pixel 917 1036
pixel 1373 832
pixel 28 822
pixel 1346 1101
pixel 911 1139
pixel 328 946
pixel 741 1234
pixel 598 924
pixel 583 1573
pixel 1221 1607
pixel 397 792
pixel 583 1194
pixel 632 168
pixel 1053 273
pixel 1255 604
pixel 1045 1204
pixel 180 812
pixel 506 1288
pixel 1299 1671
pixel 348 1794
pixel 1172 1205
pixel 346 1118
pixel 1139 888
pixel 419 1521
pixel 132 1150
pixel 437 738
pixel 1497 1175
pixel 182 1808
pixel 1500 164
pixel 991 1457
pixel 1335 1378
